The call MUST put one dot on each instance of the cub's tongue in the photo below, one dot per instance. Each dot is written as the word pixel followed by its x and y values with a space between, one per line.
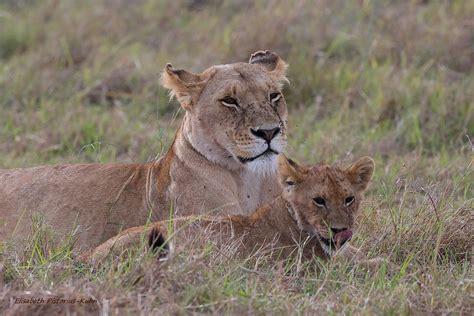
pixel 343 236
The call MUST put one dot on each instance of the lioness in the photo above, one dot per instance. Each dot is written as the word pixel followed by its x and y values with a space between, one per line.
pixel 222 159
pixel 317 207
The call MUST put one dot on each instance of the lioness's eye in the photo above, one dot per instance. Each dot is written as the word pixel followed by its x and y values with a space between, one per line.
pixel 319 201
pixel 275 96
pixel 349 200
pixel 230 101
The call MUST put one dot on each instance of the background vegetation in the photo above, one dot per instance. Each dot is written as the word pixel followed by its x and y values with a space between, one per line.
pixel 390 79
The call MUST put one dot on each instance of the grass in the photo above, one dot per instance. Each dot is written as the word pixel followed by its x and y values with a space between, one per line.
pixel 79 83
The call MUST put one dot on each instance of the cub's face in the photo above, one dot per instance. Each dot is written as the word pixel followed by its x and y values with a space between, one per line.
pixel 324 200
pixel 236 113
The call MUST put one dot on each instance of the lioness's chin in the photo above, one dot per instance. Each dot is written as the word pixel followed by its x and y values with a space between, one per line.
pixel 265 165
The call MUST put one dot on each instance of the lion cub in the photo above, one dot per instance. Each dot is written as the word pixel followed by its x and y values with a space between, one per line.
pixel 315 213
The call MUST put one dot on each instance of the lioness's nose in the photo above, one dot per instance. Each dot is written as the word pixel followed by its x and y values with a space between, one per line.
pixel 267 134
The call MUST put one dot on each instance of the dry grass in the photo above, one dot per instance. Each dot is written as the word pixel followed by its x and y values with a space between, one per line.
pixel 79 83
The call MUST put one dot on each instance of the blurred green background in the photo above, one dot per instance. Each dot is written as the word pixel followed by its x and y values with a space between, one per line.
pixel 79 79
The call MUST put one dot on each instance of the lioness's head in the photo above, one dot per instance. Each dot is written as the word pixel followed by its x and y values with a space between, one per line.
pixel 236 114
pixel 324 200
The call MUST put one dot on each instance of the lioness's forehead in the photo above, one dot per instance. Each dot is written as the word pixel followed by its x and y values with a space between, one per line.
pixel 241 75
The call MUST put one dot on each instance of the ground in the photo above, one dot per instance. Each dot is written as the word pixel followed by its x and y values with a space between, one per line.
pixel 393 80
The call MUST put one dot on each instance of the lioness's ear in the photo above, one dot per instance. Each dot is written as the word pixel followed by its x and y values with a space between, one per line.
pixel 361 172
pixel 271 62
pixel 183 85
pixel 288 171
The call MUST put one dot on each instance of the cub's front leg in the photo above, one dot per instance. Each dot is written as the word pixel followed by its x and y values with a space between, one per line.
pixel 355 255
pixel 150 235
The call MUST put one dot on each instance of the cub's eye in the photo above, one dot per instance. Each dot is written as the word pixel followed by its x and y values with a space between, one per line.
pixel 290 182
pixel 349 200
pixel 319 201
pixel 275 96
pixel 230 102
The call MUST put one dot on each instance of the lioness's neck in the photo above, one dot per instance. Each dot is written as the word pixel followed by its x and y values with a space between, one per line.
pixel 202 184
pixel 193 136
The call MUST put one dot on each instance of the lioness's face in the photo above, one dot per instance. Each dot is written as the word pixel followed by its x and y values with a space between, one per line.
pixel 324 199
pixel 236 113
pixel 245 111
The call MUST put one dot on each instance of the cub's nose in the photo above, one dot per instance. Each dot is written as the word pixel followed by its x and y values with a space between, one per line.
pixel 341 235
pixel 267 134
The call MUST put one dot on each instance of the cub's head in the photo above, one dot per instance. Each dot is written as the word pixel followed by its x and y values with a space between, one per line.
pixel 236 114
pixel 324 200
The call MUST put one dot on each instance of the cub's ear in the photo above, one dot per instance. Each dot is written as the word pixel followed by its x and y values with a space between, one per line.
pixel 288 171
pixel 183 85
pixel 361 172
pixel 272 63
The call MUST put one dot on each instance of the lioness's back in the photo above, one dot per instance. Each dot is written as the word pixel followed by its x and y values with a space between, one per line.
pixel 96 197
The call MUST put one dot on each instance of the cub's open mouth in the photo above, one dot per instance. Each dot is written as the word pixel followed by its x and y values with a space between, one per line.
pixel 267 152
pixel 338 240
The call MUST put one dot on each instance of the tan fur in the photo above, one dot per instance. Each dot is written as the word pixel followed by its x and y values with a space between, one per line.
pixel 202 171
pixel 288 221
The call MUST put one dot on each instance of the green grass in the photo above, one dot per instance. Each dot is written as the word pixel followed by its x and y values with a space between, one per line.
pixel 79 83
